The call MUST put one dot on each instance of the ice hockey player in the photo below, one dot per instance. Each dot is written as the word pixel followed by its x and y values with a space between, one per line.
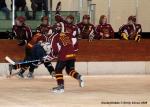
pixel 68 26
pixel 38 52
pixel 38 47
pixel 131 30
pixel 71 28
pixel 104 30
pixel 62 47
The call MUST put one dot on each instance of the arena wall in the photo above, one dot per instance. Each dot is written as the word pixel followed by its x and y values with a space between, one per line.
pixel 94 58
pixel 97 68
pixel 121 9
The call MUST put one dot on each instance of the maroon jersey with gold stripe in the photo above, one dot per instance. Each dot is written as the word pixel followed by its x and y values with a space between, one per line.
pixel 62 46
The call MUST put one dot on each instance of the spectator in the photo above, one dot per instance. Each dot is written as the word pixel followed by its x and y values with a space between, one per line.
pixel 3 8
pixel 104 30
pixel 21 5
pixel 39 5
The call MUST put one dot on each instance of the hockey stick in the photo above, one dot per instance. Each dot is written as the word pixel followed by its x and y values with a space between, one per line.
pixel 27 62
pixel 58 8
pixel 8 59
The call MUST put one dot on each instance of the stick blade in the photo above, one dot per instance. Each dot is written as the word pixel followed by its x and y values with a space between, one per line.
pixel 9 60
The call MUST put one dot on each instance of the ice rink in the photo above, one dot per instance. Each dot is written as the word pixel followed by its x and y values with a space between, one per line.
pixel 99 91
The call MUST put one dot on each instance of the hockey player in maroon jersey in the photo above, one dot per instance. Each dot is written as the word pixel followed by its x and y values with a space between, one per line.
pixel 86 29
pixel 70 27
pixel 104 30
pixel 67 25
pixel 131 30
pixel 44 28
pixel 62 47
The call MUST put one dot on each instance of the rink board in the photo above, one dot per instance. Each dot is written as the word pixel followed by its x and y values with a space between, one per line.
pixel 97 68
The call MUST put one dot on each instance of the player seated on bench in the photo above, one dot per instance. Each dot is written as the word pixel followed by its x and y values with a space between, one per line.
pixel 86 29
pixel 45 28
pixel 131 30
pixel 104 30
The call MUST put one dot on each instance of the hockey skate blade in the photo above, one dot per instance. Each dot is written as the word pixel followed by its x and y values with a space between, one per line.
pixel 58 91
pixel 9 60
pixel 81 82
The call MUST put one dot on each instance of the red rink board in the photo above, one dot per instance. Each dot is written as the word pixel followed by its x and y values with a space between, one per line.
pixel 103 50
